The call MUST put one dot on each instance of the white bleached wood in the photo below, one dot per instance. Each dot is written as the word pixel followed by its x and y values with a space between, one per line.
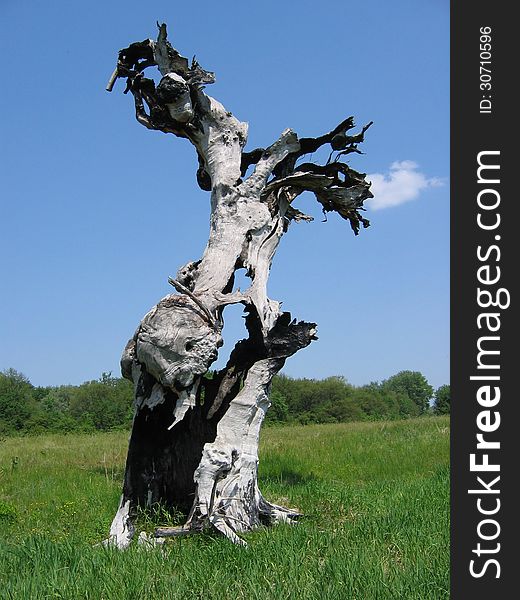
pixel 227 474
pixel 186 400
pixel 175 343
pixel 122 528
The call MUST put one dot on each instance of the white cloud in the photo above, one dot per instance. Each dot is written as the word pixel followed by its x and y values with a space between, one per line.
pixel 403 183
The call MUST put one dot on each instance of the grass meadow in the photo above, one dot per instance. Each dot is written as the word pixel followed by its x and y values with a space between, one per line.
pixel 375 498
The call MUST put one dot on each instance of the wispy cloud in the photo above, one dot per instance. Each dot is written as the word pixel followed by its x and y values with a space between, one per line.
pixel 403 183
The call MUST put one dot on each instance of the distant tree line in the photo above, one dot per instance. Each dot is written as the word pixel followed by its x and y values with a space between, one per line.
pixel 107 403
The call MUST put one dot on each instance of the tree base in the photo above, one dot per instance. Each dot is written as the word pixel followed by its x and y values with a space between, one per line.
pixel 123 528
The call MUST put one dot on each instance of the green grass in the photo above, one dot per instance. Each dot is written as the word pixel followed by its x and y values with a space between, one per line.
pixel 375 498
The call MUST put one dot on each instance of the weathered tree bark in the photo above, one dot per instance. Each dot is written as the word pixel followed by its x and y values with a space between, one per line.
pixel 194 441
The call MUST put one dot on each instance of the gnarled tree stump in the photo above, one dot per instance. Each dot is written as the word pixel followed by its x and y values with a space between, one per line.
pixel 194 441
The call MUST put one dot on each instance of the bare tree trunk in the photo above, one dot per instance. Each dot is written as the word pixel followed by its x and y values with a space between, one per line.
pixel 194 441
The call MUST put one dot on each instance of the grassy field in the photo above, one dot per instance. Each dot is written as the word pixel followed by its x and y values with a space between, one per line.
pixel 375 498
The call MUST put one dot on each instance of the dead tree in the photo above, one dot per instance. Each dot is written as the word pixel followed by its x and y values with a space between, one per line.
pixel 194 440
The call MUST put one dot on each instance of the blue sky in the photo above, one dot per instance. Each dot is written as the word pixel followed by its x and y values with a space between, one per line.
pixel 97 211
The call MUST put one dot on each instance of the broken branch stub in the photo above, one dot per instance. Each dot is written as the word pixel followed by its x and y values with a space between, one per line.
pixel 194 440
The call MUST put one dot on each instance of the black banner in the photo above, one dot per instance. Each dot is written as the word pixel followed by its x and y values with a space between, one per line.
pixel 484 267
